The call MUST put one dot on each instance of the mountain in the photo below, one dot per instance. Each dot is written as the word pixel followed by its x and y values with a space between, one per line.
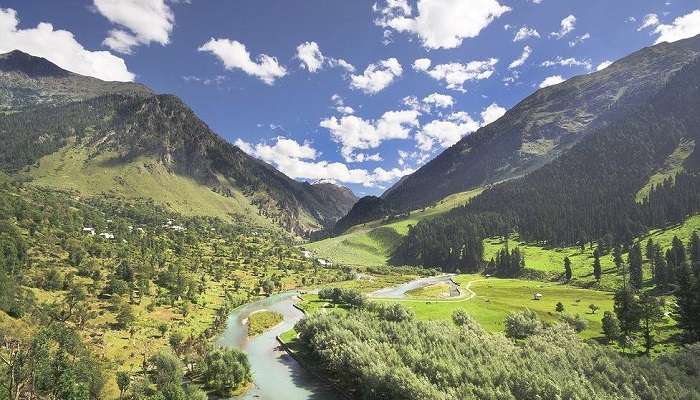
pixel 76 132
pixel 540 129
pixel 635 170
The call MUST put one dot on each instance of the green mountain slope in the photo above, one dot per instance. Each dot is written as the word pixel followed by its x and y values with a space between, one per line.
pixel 543 127
pixel 121 138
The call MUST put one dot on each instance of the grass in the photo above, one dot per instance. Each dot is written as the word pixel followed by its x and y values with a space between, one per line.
pixel 373 242
pixel 672 166
pixel 73 168
pixel 551 260
pixel 259 322
pixel 495 298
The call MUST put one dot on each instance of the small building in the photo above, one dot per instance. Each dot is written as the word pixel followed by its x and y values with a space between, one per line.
pixel 107 235
pixel 306 254
pixel 537 296
pixel 89 231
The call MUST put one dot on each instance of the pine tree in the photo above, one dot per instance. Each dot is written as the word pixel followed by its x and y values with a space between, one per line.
pixel 567 269
pixel 597 270
pixel 627 311
pixel 635 262
pixel 650 253
pixel 617 258
pixel 651 312
pixel 687 311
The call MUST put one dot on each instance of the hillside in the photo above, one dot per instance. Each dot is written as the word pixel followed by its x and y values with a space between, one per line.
pixel 140 143
pixel 541 128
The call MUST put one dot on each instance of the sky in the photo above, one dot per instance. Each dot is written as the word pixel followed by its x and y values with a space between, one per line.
pixel 351 91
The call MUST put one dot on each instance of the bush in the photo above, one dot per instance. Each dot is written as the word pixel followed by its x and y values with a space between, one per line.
pixel 225 370
pixel 522 324
pixel 394 312
pixel 577 322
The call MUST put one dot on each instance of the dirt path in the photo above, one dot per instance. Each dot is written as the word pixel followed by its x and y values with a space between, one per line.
pixel 466 294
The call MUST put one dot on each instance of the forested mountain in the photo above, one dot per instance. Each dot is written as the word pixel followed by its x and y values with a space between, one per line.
pixel 590 192
pixel 634 94
pixel 114 126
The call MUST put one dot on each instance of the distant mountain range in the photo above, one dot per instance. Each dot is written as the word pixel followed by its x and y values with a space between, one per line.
pixel 75 132
pixel 581 116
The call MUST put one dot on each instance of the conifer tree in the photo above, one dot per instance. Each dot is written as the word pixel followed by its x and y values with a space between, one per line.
pixel 597 271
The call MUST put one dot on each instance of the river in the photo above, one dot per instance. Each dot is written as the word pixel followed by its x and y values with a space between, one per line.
pixel 276 375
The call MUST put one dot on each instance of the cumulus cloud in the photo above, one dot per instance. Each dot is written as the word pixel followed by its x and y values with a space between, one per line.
pixel 492 113
pixel 61 48
pixel 568 24
pixel 524 33
pixel 354 133
pixel 682 27
pixel 649 21
pixel 527 50
pixel 313 60
pixel 568 62
pixel 551 80
pixel 439 23
pixel 579 39
pixel 439 100
pixel 377 77
pixel 300 161
pixel 340 105
pixel 422 64
pixel 456 74
pixel 447 131
pixel 233 55
pixel 603 65
pixel 140 22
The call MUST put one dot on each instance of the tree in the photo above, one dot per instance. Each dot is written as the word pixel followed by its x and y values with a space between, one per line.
pixel 560 307
pixel 627 311
pixel 687 310
pixel 522 324
pixel 225 370
pixel 635 262
pixel 651 314
pixel 597 271
pixel 162 328
pixel 593 308
pixel 577 322
pixel 617 258
pixel 167 368
pixel 611 326
pixel 567 269
pixel 123 380
pixel 650 254
pixel 125 317
pixel 463 319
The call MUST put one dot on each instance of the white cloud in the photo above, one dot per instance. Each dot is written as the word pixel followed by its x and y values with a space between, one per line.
pixel 439 100
pixel 551 80
pixel 649 21
pixel 579 39
pixel 422 64
pixel 527 50
pixel 449 130
pixel 682 27
pixel 492 113
pixel 310 55
pixel 440 23
pixel 603 65
pixel 355 133
pixel 377 77
pixel 456 74
pixel 234 55
pixel 313 60
pixel 300 161
pixel 445 132
pixel 524 33
pixel 568 62
pixel 568 24
pixel 145 21
pixel 61 48
pixel 340 106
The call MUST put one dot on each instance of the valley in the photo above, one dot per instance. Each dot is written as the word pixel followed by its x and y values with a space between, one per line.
pixel 553 253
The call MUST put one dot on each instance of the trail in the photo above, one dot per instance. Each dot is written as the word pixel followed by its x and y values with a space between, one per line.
pixel 465 293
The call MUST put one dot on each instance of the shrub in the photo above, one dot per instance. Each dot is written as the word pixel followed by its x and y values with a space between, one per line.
pixel 522 324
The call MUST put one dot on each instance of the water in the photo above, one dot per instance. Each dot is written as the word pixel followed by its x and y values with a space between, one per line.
pixel 399 292
pixel 276 375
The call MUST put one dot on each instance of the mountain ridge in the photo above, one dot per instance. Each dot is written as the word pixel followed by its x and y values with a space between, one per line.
pixel 538 130
pixel 46 106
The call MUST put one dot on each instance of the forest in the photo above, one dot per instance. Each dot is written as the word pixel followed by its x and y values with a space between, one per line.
pixel 104 297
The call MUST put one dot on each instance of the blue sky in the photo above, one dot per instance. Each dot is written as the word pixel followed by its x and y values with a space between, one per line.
pixel 359 92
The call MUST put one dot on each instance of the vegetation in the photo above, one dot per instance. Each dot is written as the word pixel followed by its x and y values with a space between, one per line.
pixel 126 278
pixel 374 354
pixel 259 322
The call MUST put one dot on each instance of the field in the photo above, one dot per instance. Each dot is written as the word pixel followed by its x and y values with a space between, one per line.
pixel 372 243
